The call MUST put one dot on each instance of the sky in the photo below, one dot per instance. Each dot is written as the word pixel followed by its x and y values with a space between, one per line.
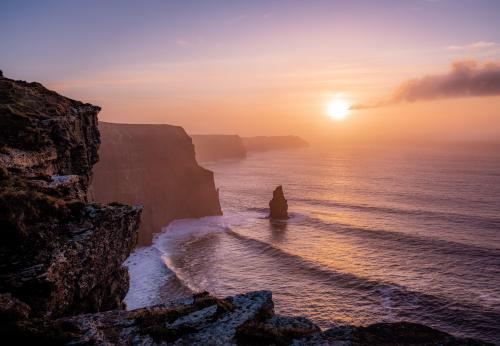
pixel 422 69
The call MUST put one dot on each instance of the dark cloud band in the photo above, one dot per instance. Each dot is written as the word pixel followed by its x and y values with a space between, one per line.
pixel 465 79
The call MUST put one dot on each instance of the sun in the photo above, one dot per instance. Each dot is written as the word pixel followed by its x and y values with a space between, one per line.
pixel 337 109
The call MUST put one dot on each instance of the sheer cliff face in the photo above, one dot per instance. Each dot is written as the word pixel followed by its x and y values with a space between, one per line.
pixel 218 147
pixel 155 166
pixel 58 254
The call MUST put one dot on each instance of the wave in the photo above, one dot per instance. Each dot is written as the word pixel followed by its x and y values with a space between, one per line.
pixel 489 256
pixel 147 273
pixel 413 242
pixel 404 303
pixel 153 273
pixel 450 217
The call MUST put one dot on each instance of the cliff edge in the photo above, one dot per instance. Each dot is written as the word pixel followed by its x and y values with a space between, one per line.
pixel 59 254
pixel 155 166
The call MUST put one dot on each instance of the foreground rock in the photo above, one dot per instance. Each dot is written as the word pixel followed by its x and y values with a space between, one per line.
pixel 278 206
pixel 218 147
pixel 155 166
pixel 246 319
pixel 59 255
pixel 387 334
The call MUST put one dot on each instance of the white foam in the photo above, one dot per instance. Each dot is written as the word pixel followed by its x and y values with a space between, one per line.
pixel 147 273
pixel 150 267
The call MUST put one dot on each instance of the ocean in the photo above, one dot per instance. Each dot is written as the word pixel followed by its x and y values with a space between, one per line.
pixel 375 235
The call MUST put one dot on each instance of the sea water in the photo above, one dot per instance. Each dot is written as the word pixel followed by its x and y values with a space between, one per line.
pixel 374 235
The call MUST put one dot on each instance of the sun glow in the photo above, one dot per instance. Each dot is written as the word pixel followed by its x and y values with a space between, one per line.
pixel 337 109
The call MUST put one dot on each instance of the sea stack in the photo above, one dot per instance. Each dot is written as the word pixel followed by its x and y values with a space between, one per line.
pixel 278 206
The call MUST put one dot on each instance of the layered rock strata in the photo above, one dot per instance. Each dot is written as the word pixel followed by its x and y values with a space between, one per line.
pixel 59 254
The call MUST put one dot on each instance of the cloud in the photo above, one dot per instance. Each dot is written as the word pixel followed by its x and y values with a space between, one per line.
pixel 475 45
pixel 465 79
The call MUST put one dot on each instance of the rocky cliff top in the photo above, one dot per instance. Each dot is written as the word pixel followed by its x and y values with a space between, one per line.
pixel 43 133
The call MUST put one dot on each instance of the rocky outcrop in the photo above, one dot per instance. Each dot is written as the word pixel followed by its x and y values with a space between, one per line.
pixel 59 255
pixel 263 143
pixel 153 165
pixel 218 147
pixel 246 319
pixel 278 205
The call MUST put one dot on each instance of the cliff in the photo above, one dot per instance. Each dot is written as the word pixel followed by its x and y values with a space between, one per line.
pixel 263 143
pixel 59 255
pixel 218 147
pixel 153 165
pixel 221 147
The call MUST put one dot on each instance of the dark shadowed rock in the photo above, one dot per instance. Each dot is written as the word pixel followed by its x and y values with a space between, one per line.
pixel 153 165
pixel 386 334
pixel 278 206
pixel 59 255
pixel 12 309
pixel 277 330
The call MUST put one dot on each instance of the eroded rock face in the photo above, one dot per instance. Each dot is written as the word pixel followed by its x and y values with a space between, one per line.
pixel 155 166
pixel 59 255
pixel 278 206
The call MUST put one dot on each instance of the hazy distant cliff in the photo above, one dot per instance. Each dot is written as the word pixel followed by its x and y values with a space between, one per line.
pixel 217 147
pixel 265 143
pixel 153 165
pixel 220 147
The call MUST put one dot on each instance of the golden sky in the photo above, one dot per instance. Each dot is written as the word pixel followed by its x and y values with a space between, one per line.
pixel 270 67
